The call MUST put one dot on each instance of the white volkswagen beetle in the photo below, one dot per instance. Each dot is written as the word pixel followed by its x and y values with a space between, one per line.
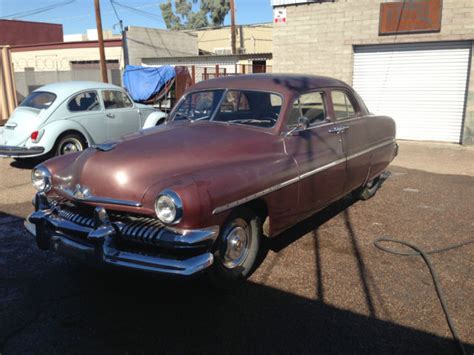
pixel 67 117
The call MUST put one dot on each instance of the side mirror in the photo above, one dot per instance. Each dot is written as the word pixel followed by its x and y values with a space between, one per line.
pixel 303 124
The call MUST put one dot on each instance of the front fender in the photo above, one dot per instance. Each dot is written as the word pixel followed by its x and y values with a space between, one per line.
pixel 153 118
pixel 196 202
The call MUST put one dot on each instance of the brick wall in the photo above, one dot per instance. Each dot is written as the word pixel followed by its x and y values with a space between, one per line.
pixel 318 38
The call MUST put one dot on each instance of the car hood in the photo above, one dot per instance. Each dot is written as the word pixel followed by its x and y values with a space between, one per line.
pixel 21 124
pixel 160 155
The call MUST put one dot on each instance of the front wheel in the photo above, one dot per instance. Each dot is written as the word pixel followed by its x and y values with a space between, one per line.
pixel 237 247
pixel 70 143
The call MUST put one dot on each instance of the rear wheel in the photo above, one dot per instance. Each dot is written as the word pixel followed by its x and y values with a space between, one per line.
pixel 368 190
pixel 70 143
pixel 237 248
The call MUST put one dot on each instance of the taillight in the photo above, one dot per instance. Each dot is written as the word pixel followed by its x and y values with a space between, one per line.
pixel 34 136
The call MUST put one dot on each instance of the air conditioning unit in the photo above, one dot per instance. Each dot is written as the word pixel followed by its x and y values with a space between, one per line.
pixel 228 51
pixel 223 51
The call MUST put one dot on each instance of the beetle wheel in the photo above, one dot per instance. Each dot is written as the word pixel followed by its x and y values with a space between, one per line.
pixel 70 143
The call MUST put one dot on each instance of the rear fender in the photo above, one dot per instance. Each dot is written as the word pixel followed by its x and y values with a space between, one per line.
pixel 54 129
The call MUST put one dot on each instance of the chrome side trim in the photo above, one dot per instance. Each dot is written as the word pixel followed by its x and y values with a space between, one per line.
pixel 96 199
pixel 300 177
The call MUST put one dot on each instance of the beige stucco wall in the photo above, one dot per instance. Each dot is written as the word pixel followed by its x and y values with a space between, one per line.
pixel 254 38
pixel 318 38
pixel 59 59
pixel 145 42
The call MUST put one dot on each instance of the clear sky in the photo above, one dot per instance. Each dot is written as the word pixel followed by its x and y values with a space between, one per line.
pixel 77 16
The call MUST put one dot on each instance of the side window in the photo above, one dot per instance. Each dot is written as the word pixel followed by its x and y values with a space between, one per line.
pixel 85 101
pixel 115 99
pixel 310 105
pixel 343 107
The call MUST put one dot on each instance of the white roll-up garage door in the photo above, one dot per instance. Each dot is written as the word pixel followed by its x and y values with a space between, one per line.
pixel 422 87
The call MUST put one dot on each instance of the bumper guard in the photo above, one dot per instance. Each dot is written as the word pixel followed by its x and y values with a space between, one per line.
pixel 99 243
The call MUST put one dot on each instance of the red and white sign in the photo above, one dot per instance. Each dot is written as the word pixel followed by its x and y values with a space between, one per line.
pixel 279 15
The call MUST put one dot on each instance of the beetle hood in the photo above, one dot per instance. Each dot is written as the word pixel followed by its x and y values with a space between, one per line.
pixel 126 169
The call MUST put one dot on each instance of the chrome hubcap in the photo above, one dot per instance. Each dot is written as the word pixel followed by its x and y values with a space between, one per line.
pixel 237 243
pixel 71 146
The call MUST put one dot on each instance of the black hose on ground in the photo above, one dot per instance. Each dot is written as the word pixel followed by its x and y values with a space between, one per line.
pixel 424 254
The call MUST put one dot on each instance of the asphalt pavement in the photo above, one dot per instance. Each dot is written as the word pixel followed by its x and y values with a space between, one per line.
pixel 322 287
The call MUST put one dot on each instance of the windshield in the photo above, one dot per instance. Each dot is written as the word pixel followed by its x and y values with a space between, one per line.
pixel 39 100
pixel 256 108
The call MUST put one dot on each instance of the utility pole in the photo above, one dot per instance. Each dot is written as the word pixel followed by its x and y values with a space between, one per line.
pixel 232 27
pixel 98 20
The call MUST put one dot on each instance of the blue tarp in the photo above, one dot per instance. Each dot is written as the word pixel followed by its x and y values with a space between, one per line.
pixel 144 82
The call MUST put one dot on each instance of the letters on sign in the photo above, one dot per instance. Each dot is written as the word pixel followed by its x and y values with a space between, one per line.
pixel 410 16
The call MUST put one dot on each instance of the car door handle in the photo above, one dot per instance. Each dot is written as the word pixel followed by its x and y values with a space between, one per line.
pixel 338 129
pixel 110 115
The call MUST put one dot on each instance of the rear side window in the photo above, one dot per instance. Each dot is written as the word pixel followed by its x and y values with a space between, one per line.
pixel 39 100
pixel 310 105
pixel 115 99
pixel 343 107
pixel 85 101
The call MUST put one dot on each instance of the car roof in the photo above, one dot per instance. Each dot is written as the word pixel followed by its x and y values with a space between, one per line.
pixel 67 88
pixel 281 83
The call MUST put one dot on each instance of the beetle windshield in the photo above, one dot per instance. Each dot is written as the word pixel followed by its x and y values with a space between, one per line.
pixel 255 108
pixel 39 100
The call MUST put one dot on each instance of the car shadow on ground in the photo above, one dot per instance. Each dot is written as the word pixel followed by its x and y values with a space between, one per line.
pixel 27 164
pixel 53 305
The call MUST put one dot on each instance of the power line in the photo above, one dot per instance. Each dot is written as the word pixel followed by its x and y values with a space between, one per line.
pixel 138 11
pixel 36 11
pixel 116 13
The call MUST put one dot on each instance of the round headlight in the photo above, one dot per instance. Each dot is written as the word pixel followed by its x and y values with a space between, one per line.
pixel 41 178
pixel 168 207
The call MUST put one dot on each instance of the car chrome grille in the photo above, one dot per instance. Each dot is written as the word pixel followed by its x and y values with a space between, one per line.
pixel 143 230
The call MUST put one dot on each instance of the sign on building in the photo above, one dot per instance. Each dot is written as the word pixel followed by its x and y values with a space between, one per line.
pixel 279 15
pixel 410 16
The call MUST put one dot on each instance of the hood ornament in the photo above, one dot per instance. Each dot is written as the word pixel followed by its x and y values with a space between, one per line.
pixel 105 147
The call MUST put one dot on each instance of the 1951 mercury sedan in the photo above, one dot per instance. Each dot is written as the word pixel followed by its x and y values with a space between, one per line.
pixel 194 193
pixel 66 117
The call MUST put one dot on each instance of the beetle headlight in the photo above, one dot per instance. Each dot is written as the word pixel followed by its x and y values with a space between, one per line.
pixel 41 178
pixel 169 207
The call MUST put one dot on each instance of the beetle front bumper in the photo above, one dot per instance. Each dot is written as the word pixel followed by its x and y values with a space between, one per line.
pixel 14 151
pixel 99 240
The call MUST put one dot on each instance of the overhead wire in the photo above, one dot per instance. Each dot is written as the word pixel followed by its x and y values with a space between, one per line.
pixel 36 11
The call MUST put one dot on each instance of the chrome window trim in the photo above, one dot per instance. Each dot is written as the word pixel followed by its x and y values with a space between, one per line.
pixel 96 199
pixel 298 178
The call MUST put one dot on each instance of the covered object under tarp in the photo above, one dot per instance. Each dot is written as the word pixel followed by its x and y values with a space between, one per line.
pixel 152 84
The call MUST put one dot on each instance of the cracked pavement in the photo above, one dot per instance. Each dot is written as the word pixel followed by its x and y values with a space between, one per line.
pixel 323 286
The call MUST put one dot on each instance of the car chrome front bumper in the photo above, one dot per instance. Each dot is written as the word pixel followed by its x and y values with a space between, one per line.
pixel 14 151
pixel 174 252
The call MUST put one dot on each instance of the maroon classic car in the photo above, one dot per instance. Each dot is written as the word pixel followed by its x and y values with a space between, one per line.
pixel 194 193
